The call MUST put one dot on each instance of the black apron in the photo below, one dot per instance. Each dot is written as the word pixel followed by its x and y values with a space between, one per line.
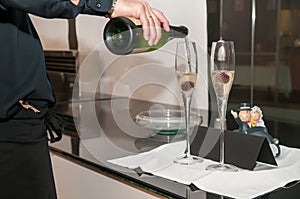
pixel 25 165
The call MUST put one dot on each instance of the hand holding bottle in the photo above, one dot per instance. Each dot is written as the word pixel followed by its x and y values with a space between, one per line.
pixel 124 35
pixel 151 19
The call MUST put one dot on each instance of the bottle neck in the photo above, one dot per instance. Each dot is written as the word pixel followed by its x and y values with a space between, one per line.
pixel 178 31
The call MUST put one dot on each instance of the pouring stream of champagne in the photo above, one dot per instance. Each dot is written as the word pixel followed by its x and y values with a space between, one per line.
pixel 221 20
pixel 221 51
pixel 188 52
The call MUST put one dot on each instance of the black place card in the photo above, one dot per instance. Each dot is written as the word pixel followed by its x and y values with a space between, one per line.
pixel 241 150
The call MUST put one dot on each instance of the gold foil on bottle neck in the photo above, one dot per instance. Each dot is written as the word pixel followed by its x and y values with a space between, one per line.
pixel 140 50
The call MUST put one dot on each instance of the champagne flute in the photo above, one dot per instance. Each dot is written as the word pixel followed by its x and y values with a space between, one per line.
pixel 222 75
pixel 186 66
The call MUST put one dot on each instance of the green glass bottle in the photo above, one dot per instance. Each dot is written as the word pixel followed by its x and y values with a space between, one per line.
pixel 124 35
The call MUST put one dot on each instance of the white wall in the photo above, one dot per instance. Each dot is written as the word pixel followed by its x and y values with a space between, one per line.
pixel 53 32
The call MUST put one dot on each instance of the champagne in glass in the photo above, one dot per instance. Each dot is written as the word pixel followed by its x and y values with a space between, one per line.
pixel 186 82
pixel 222 82
pixel 222 75
pixel 186 66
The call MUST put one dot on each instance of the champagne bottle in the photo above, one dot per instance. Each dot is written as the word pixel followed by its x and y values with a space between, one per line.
pixel 124 35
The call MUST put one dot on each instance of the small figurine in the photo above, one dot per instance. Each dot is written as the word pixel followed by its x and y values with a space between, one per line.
pixel 250 122
pixel 243 118
pixel 256 117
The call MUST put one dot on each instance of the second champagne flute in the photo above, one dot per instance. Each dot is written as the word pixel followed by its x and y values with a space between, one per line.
pixel 222 75
pixel 186 66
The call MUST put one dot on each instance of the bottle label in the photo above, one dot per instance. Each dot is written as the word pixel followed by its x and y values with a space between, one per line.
pixel 135 20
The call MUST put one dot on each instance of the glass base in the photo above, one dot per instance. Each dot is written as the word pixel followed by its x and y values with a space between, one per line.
pixel 222 167
pixel 188 160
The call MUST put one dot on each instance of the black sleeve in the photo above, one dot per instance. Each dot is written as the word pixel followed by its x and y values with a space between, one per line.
pixel 59 8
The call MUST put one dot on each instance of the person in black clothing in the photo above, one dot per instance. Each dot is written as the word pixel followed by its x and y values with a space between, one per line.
pixel 26 92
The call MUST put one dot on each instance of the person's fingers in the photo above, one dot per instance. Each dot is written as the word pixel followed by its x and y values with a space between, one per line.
pixel 162 19
pixel 152 31
pixel 144 19
pixel 151 19
pixel 156 30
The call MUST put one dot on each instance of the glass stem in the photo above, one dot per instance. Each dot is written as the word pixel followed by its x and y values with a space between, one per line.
pixel 222 106
pixel 187 103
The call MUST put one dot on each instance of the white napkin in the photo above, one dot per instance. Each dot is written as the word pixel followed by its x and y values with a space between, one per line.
pixel 241 184
pixel 153 160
